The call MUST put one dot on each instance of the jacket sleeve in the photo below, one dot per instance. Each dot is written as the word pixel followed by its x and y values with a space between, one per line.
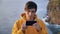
pixel 16 29
pixel 44 29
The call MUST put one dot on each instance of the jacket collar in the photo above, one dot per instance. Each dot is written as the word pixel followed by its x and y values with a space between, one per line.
pixel 23 16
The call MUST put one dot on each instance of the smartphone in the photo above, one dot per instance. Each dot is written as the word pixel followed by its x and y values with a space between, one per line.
pixel 30 23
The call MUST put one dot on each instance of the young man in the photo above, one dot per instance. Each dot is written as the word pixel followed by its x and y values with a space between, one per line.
pixel 20 26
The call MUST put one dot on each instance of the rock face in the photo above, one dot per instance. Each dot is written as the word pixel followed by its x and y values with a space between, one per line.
pixel 53 12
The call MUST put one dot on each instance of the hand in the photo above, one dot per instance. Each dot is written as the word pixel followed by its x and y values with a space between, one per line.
pixel 23 27
pixel 35 25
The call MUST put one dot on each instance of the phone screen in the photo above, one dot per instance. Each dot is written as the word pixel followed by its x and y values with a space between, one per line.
pixel 30 23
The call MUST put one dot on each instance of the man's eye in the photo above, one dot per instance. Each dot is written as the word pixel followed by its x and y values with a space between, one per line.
pixel 28 11
pixel 33 11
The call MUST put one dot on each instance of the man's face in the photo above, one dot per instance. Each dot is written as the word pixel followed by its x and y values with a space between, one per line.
pixel 30 13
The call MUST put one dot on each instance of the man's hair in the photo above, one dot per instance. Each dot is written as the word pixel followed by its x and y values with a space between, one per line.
pixel 31 5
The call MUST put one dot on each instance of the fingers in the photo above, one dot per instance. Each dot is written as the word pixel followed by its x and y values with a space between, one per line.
pixel 36 26
pixel 23 26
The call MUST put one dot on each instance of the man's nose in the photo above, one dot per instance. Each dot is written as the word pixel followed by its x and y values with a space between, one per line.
pixel 30 13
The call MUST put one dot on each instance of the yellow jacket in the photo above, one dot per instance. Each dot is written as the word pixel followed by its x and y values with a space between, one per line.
pixel 30 30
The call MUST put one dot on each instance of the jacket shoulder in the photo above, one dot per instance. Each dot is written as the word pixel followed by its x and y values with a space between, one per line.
pixel 19 21
pixel 39 20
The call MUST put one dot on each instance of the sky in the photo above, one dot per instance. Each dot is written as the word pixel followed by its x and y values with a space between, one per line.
pixel 10 11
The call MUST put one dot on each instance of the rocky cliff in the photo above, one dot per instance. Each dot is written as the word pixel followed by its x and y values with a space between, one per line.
pixel 53 12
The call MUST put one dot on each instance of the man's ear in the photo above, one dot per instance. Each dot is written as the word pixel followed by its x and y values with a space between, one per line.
pixel 25 9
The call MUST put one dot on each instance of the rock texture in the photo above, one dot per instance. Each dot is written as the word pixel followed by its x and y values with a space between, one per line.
pixel 53 12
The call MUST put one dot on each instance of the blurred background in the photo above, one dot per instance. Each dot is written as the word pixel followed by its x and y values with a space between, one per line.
pixel 10 11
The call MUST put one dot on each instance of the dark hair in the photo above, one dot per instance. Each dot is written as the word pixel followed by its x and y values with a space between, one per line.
pixel 30 5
